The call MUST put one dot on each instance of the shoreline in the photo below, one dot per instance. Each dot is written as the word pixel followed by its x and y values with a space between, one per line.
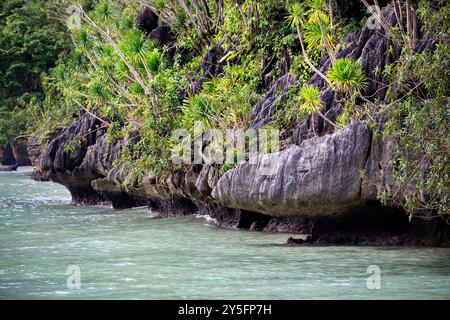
pixel 356 229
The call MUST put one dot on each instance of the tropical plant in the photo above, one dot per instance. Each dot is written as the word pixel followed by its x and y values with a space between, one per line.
pixel 295 18
pixel 194 20
pixel 139 50
pixel 346 76
pixel 198 110
pixel 317 11
pixel 311 103
pixel 319 36
pixel 30 42
pixel 310 99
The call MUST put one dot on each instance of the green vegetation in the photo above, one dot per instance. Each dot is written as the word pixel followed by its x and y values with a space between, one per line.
pixel 310 97
pixel 311 104
pixel 346 76
pixel 30 41
pixel 418 118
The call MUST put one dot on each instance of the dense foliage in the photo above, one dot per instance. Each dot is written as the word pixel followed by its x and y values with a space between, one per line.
pixel 418 117
pixel 30 41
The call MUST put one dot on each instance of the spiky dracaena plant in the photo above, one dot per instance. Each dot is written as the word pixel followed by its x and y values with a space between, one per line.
pixel 295 19
pixel 311 103
pixel 317 11
pixel 318 17
pixel 140 51
pixel 198 110
pixel 346 76
pixel 295 15
pixel 310 99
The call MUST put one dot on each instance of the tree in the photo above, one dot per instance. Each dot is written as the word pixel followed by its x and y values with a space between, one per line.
pixel 295 19
pixel 30 42
pixel 318 15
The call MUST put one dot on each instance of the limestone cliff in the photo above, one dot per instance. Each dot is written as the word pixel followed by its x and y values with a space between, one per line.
pixel 324 177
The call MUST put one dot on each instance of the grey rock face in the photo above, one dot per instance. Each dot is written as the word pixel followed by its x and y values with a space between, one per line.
pixel 263 112
pixel 147 20
pixel 162 34
pixel 19 149
pixel 6 155
pixel 34 150
pixel 321 176
pixel 69 168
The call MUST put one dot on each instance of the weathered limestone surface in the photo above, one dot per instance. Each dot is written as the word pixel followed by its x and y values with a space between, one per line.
pixel 321 176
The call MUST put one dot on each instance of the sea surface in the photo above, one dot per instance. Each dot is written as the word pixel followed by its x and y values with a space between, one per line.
pixel 50 249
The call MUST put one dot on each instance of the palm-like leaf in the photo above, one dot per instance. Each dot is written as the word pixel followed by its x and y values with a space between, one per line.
pixel 295 16
pixel 317 11
pixel 127 24
pixel 136 88
pixel 77 58
pixel 106 67
pixel 198 109
pixel 140 51
pixel 105 12
pixel 82 39
pixel 153 60
pixel 347 75
pixel 313 35
pixel 98 90
pixel 310 99
pixel 135 46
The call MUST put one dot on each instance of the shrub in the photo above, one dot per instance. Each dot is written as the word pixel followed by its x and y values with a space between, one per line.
pixel 346 76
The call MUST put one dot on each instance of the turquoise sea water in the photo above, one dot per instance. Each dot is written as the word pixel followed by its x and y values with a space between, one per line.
pixel 127 254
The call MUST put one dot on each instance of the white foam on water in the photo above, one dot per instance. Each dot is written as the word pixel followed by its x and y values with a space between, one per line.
pixel 207 218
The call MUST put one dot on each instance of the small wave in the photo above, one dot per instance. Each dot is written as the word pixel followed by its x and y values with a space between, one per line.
pixel 60 292
pixel 124 264
pixel 207 218
pixel 128 279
